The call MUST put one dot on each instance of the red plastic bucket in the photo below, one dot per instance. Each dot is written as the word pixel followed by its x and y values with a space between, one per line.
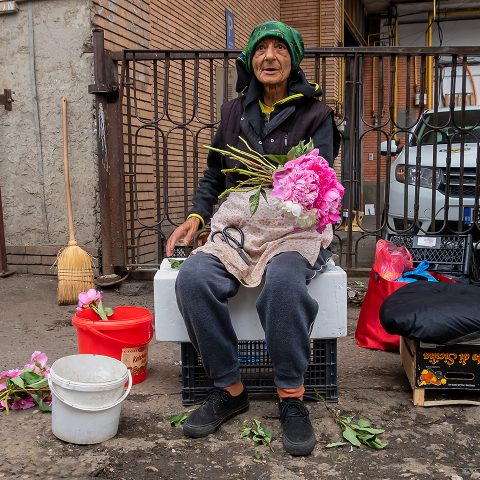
pixel 124 336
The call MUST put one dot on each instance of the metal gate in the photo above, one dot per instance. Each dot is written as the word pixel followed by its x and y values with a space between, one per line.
pixel 156 116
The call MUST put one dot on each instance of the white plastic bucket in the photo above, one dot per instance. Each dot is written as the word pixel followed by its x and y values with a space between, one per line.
pixel 87 395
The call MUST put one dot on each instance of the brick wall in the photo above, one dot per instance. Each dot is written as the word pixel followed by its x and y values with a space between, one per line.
pixel 39 260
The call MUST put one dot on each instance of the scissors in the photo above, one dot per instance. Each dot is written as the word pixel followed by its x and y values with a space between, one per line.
pixel 232 241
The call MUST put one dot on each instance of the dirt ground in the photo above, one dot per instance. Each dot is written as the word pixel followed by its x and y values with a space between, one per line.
pixel 423 443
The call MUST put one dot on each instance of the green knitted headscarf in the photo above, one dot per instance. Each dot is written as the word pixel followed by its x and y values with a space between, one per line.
pixel 273 28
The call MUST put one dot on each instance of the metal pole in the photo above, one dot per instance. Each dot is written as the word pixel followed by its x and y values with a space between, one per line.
pixel 110 158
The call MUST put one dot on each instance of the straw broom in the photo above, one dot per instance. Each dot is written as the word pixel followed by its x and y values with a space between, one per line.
pixel 75 265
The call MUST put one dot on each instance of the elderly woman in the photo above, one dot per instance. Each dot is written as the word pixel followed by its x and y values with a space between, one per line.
pixel 277 109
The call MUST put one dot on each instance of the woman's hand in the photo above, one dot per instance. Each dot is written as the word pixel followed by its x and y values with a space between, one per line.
pixel 186 231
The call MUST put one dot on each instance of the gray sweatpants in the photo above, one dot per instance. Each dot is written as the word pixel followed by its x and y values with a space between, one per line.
pixel 285 308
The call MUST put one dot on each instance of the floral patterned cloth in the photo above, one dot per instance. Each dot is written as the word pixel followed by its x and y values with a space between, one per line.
pixel 267 233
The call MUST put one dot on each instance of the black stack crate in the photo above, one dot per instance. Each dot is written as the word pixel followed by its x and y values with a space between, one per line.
pixel 447 254
pixel 257 373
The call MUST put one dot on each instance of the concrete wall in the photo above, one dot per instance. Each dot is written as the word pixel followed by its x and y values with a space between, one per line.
pixel 44 57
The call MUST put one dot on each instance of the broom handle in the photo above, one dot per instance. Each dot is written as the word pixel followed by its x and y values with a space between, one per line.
pixel 66 171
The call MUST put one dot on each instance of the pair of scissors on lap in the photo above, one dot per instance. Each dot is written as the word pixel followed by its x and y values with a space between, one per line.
pixel 231 241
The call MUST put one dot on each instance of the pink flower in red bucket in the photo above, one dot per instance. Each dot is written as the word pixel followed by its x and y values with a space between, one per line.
pixel 93 299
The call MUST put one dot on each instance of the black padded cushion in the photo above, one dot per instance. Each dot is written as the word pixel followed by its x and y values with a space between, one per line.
pixel 444 313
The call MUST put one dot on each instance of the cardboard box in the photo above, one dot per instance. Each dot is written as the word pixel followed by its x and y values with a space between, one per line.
pixel 440 368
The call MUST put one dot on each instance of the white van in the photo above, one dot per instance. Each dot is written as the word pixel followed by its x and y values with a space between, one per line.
pixel 443 189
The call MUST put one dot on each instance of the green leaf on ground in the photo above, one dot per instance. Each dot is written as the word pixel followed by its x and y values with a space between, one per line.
pixel 18 382
pixel 177 420
pixel 253 429
pixel 42 406
pixel 350 435
pixel 356 434
pixel 362 423
pixel 335 444
pixel 30 378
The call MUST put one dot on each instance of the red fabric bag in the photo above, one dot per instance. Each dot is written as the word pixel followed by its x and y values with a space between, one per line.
pixel 369 332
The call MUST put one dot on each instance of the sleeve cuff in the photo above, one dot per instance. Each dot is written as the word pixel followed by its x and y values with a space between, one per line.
pixel 199 217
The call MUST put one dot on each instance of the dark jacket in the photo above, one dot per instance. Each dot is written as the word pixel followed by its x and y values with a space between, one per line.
pixel 298 117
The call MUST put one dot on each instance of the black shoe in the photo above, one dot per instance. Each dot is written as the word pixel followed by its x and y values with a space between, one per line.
pixel 216 409
pixel 298 435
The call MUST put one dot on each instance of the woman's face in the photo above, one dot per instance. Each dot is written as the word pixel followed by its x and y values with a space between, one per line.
pixel 271 62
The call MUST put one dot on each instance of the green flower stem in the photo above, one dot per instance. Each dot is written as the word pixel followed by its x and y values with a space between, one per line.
pixel 256 155
pixel 248 163
pixel 237 189
pixel 248 173
pixel 8 393
pixel 264 164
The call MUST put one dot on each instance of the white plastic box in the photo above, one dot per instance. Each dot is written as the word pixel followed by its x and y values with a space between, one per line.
pixel 328 288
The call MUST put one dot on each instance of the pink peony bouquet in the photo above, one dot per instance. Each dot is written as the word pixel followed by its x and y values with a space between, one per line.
pixel 23 388
pixel 93 299
pixel 303 183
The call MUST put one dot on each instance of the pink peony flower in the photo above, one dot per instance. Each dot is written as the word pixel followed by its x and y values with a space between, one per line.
pixel 298 185
pixel 23 403
pixel 309 182
pixel 2 405
pixel 10 373
pixel 86 298
pixel 39 357
pixel 3 386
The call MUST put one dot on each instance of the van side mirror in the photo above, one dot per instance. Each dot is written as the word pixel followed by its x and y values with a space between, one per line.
pixel 393 148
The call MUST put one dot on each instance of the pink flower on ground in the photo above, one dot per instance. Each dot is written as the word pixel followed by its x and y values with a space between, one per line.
pixel 3 386
pixel 39 357
pixel 10 373
pixel 2 405
pixel 86 298
pixel 48 399
pixel 23 403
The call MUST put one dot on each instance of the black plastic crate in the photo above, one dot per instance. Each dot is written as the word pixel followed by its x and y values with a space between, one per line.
pixel 445 253
pixel 257 373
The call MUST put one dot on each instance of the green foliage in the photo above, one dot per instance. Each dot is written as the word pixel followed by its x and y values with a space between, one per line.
pixel 175 263
pixel 27 384
pixel 177 420
pixel 259 456
pixel 261 436
pixel 356 434
pixel 42 406
pixel 300 149
pixel 280 159
pixel 254 201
